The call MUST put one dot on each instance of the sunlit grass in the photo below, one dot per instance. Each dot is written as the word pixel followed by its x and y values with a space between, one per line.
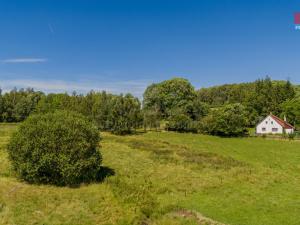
pixel 167 178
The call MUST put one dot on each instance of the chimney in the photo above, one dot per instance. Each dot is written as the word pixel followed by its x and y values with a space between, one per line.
pixel 285 120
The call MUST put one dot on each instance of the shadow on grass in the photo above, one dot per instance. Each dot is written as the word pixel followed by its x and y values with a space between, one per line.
pixel 132 133
pixel 104 173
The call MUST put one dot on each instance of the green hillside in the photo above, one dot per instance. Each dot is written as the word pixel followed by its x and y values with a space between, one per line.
pixel 167 178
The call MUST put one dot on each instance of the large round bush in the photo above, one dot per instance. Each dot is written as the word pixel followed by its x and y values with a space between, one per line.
pixel 56 148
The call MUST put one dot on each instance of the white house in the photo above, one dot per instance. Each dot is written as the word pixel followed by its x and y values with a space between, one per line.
pixel 274 125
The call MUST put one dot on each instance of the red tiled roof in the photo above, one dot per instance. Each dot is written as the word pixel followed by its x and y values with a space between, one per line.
pixel 282 123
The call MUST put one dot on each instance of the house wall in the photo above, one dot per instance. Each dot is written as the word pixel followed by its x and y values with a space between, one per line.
pixel 269 126
pixel 289 131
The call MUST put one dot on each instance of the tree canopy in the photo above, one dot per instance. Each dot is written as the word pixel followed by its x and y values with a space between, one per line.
pixel 165 96
pixel 170 100
pixel 291 110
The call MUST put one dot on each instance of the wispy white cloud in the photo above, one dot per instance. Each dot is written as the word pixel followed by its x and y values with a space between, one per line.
pixel 51 29
pixel 24 60
pixel 135 87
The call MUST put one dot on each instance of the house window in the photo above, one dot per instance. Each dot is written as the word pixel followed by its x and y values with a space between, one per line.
pixel 271 122
pixel 263 129
pixel 266 122
pixel 274 129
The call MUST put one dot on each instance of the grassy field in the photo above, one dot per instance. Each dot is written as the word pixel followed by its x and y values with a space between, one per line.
pixel 167 178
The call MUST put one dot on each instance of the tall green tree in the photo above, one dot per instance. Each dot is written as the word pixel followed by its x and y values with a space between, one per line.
pixel 151 119
pixel 167 95
pixel 102 110
pixel 126 114
pixel 291 110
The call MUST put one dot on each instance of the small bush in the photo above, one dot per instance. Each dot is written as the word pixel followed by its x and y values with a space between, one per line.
pixel 56 148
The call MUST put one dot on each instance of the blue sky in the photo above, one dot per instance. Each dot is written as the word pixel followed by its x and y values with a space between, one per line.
pixel 123 46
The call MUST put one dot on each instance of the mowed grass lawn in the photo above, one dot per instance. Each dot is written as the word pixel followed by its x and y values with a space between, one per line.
pixel 166 178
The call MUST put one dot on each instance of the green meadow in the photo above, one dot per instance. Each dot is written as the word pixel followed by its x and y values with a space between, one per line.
pixel 166 178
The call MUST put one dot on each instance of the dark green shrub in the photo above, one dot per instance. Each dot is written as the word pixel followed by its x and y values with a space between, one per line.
pixel 181 123
pixel 56 148
pixel 227 121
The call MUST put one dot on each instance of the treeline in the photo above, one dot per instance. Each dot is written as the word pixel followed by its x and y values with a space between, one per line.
pixel 17 105
pixel 225 110
pixel 119 114
pixel 259 98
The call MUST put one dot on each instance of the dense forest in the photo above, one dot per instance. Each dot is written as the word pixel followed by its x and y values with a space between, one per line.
pixel 260 98
pixel 225 110
pixel 116 113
